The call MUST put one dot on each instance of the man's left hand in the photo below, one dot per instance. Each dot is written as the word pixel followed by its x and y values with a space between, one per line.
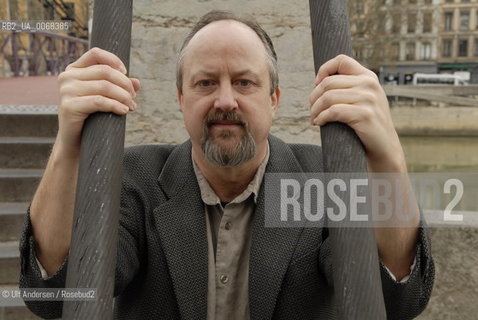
pixel 347 92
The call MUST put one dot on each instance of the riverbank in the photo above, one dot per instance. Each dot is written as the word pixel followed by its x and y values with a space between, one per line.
pixel 435 121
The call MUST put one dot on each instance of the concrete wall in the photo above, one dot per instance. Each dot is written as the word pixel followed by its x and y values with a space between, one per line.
pixel 158 30
pixel 451 121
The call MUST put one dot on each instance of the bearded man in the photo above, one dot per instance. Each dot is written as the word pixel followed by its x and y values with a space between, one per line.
pixel 192 241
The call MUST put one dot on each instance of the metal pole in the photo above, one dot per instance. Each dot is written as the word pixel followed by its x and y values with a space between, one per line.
pixel 356 277
pixel 16 60
pixel 92 258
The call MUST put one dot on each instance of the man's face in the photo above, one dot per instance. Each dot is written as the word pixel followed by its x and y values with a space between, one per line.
pixel 226 96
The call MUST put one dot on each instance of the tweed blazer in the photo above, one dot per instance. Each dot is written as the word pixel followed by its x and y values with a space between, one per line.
pixel 161 270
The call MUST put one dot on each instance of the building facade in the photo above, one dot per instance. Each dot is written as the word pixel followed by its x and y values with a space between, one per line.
pixel 398 38
pixel 28 53
pixel 458 41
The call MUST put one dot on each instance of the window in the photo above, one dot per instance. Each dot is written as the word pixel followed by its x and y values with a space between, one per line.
pixel 464 20
pixel 475 52
pixel 410 51
pixel 395 51
pixel 447 46
pixel 427 22
pixel 396 23
pixel 70 10
pixel 382 22
pixel 448 20
pixel 397 2
pixel 476 19
pixel 50 12
pixel 412 22
pixel 426 52
pixel 360 7
pixel 428 1
pixel 412 1
pixel 359 53
pixel 463 47
pixel 360 28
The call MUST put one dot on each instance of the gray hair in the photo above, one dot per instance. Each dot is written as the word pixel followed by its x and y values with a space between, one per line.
pixel 217 15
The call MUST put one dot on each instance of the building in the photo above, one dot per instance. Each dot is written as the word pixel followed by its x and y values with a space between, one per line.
pixel 28 53
pixel 398 38
pixel 458 44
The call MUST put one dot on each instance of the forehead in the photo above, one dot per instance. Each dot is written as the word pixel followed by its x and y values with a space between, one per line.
pixel 225 42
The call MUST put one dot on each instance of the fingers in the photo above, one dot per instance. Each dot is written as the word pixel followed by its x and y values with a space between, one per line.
pixel 341 64
pixel 99 56
pixel 334 97
pixel 94 103
pixel 136 83
pixel 332 83
pixel 77 88
pixel 345 113
pixel 99 72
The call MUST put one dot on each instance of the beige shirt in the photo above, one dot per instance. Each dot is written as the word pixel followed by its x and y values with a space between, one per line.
pixel 229 243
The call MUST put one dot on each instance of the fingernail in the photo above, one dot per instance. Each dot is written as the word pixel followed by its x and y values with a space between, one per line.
pixel 123 69
pixel 125 109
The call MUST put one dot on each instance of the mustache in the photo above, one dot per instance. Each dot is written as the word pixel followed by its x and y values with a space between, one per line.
pixel 214 116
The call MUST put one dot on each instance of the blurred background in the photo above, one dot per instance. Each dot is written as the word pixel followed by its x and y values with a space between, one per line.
pixel 425 53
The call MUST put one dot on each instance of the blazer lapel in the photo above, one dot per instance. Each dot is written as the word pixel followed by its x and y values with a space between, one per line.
pixel 182 228
pixel 271 248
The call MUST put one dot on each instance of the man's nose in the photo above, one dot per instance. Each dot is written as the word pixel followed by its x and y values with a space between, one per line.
pixel 225 99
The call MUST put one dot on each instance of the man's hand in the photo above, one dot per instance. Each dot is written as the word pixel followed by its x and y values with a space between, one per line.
pixel 347 92
pixel 96 82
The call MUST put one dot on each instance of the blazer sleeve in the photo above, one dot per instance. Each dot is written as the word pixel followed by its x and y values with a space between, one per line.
pixel 130 242
pixel 407 300
pixel 403 300
pixel 30 275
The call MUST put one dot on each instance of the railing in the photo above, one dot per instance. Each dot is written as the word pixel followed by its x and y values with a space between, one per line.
pixel 449 95
pixel 39 53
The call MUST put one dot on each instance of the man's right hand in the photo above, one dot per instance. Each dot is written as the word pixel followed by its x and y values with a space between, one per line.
pixel 96 82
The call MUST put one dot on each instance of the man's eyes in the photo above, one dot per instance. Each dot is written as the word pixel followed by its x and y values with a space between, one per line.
pixel 205 83
pixel 244 83
pixel 209 83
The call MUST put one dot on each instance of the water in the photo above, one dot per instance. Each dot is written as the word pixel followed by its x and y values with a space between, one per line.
pixel 441 154
pixel 457 156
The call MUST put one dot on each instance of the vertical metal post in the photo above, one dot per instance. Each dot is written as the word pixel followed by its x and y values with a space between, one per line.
pixel 92 258
pixel 16 60
pixel 356 278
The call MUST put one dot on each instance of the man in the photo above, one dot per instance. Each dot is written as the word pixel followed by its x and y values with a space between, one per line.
pixel 192 240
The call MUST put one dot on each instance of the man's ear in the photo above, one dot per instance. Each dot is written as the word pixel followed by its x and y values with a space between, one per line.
pixel 275 100
pixel 180 100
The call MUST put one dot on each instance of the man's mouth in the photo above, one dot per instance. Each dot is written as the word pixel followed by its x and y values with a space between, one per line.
pixel 225 123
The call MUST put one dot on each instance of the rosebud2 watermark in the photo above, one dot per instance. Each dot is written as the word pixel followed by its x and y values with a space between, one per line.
pixel 379 199
pixel 47 294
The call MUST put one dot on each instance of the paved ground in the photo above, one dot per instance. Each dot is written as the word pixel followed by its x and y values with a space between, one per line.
pixel 29 91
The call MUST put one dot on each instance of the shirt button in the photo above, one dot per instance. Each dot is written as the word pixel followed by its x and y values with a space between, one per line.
pixel 228 226
pixel 224 279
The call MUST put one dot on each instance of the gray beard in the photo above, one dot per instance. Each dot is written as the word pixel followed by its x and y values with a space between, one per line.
pixel 236 155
